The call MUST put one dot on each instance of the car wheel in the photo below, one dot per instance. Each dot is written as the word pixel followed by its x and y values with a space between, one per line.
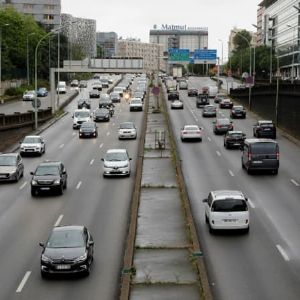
pixel 246 231
pixel 182 139
pixel 225 145
pixel 248 171
pixel 44 275
pixel 34 193
pixel 275 172
pixel 61 190
pixel 206 219
pixel 211 230
pixel 65 185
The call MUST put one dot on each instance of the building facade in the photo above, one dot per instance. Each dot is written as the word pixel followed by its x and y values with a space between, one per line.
pixel 108 42
pixel 80 32
pixel 151 53
pixel 46 12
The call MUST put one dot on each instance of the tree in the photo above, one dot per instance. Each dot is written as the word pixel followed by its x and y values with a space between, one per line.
pixel 240 40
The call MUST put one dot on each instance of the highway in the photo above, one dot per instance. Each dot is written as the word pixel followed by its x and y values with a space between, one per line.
pixel 265 264
pixel 99 203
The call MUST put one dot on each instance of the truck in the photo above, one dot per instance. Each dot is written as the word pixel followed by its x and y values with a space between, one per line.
pixel 177 72
pixel 171 85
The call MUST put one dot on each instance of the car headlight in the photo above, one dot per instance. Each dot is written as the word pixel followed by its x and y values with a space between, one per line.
pixel 125 166
pixel 13 172
pixel 33 182
pixel 106 166
pixel 45 258
pixel 107 115
pixel 57 181
pixel 81 258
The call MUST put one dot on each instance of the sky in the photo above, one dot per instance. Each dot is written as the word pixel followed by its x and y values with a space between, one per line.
pixel 135 18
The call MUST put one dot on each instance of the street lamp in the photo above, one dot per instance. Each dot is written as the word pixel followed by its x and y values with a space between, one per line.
pixel 1 26
pixel 293 60
pixel 222 62
pixel 27 51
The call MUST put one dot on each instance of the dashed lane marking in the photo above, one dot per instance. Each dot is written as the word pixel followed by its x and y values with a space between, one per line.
pixel 78 185
pixel 108 133
pixel 218 153
pixel 23 185
pixel 209 138
pixel 61 146
pixel 283 253
pixel 295 182
pixel 23 282
pixel 91 162
pixel 251 203
pixel 58 220
pixel 231 173
pixel 101 145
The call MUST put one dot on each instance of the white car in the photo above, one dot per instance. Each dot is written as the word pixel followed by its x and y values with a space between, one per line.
pixel 116 163
pixel 191 132
pixel 136 104
pixel 226 209
pixel 29 95
pixel 127 130
pixel 176 104
pixel 80 116
pixel 32 144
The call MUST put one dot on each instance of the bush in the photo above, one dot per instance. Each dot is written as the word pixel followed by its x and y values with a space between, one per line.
pixel 14 91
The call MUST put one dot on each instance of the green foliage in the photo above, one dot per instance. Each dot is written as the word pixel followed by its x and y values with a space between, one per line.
pixel 242 40
pixel 15 91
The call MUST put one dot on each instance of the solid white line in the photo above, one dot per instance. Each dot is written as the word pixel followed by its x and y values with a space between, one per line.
pixel 23 282
pixel 108 133
pixel 101 145
pixel 91 162
pixel 58 220
pixel 295 182
pixel 231 173
pixel 218 153
pixel 251 203
pixel 283 253
pixel 78 185
pixel 209 138
pixel 61 146
pixel 23 185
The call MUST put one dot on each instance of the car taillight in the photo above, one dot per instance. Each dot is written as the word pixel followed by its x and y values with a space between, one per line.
pixel 249 156
pixel 184 132
pixel 198 131
pixel 218 126
pixel 277 155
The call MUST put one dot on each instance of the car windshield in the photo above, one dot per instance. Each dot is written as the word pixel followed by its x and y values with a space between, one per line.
pixel 47 170
pixel 101 111
pixel 114 95
pixel 263 148
pixel 66 239
pixel 238 107
pixel 87 125
pixel 116 156
pixel 236 135
pixel 267 125
pixel 31 140
pixel 7 160
pixel 229 205
pixel 126 125
pixel 191 128
pixel 136 101
pixel 223 121
pixel 82 114
pixel 210 108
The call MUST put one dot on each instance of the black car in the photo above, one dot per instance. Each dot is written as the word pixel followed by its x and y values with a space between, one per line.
pixel 94 94
pixel 192 92
pixel 209 111
pixel 115 97
pixel 173 95
pixel 84 103
pixel 234 139
pixel 202 100
pixel 226 103
pixel 222 125
pixel 218 98
pixel 105 103
pixel 238 111
pixel 264 129
pixel 88 129
pixel 101 114
pixel 68 250
pixel 49 176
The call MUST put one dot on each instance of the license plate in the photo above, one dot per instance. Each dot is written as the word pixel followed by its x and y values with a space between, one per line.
pixel 267 129
pixel 45 188
pixel 236 144
pixel 63 267
pixel 257 162
pixel 29 150
pixel 229 220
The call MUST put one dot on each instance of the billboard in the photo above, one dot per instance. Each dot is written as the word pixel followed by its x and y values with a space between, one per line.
pixel 205 56
pixel 178 55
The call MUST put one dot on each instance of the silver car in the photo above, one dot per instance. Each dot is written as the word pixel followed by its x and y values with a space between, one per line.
pixel 32 144
pixel 29 95
pixel 127 130
pixel 191 132
pixel 11 167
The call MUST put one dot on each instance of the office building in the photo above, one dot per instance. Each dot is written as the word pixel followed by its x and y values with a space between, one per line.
pixel 108 42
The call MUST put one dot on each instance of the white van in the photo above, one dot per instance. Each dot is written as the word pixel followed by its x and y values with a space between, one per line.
pixel 212 91
pixel 61 87
pixel 80 116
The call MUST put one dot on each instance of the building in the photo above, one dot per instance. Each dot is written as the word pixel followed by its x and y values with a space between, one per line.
pixel 260 33
pixel 108 42
pixel 80 32
pixel 151 53
pixel 46 12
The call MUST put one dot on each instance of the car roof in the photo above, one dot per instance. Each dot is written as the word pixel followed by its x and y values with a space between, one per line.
pixel 223 194
pixel 265 122
pixel 116 151
pixel 69 227
pixel 32 136
pixel 253 141
pixel 235 131
pixel 49 163
pixel 9 154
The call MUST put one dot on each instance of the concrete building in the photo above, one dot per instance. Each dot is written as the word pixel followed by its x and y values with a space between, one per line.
pixel 46 12
pixel 80 32
pixel 152 53
pixel 108 41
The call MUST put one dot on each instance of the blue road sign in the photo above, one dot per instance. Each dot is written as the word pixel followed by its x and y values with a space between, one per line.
pixel 179 55
pixel 205 56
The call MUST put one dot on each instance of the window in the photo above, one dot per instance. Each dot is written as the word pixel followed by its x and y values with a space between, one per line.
pixel 49 7
pixel 48 17
pixel 28 6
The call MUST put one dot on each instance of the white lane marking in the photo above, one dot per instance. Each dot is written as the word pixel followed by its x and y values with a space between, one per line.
pixel 113 124
pixel 91 162
pixel 209 138
pixel 78 185
pixel 74 133
pixel 58 220
pixel 23 282
pixel 101 145
pixel 283 253
pixel 295 182
pixel 218 153
pixel 231 173
pixel 108 133
pixel 61 146
pixel 251 203
pixel 23 185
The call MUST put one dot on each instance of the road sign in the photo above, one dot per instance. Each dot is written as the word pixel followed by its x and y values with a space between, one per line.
pixel 38 102
pixel 155 90
pixel 202 56
pixel 179 55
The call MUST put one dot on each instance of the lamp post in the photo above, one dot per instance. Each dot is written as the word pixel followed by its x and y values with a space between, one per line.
pixel 222 62
pixel 27 51
pixel 293 59
pixel 1 26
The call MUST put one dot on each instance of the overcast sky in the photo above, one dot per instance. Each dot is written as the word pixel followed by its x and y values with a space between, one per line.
pixel 134 18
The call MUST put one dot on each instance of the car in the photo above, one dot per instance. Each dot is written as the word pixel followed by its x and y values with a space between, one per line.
pixel 173 95
pixel 82 84
pixel 49 176
pixel 212 91
pixel 136 104
pixel 84 103
pixel 176 104
pixel 42 92
pixel 116 162
pixel 234 139
pixel 192 92
pixel 191 132
pixel 11 167
pixel 138 94
pixel 94 93
pixel 88 129
pixel 227 210
pixel 202 100
pixel 32 144
pixel 61 87
pixel 68 250
pixel 105 101
pixel 226 103
pixel 96 76
pixel 260 155
pixel 222 125
pixel 96 85
pixel 110 80
pixel 238 111
pixel 74 83
pixel 79 116
pixel 127 130
pixel 183 85
pixel 101 114
pixel 219 97
pixel 115 97
pixel 29 95
pixel 264 129
pixel 104 82
pixel 205 90
pixel 119 90
pixel 209 111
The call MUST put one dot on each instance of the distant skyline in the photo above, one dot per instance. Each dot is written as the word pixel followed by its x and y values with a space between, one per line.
pixel 135 18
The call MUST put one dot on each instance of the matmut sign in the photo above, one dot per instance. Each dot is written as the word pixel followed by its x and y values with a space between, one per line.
pixel 179 27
